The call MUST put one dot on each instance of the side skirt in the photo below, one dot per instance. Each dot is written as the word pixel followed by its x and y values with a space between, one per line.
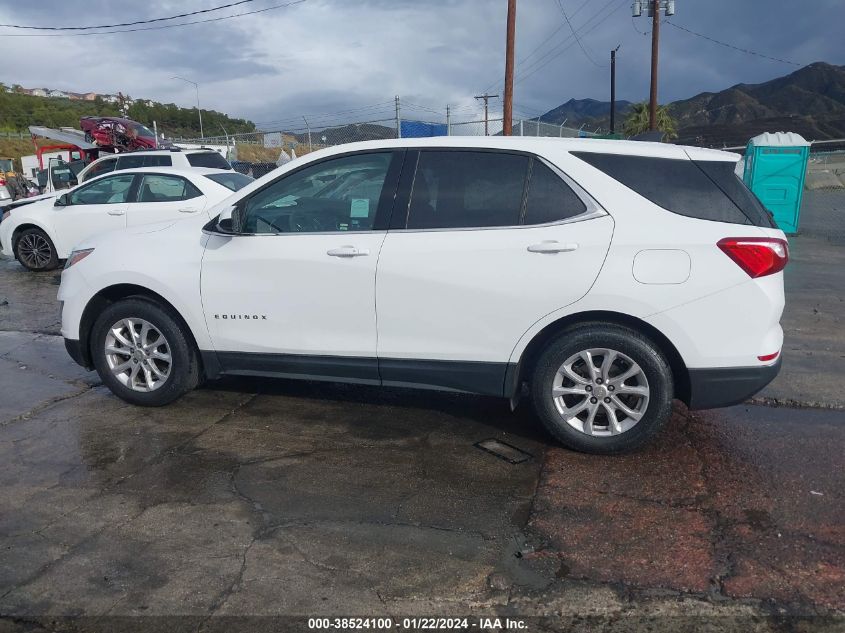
pixel 466 376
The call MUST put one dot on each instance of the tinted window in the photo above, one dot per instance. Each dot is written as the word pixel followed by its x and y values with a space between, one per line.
pixel 101 168
pixel 231 180
pixel 722 173
pixel 334 195
pixel 467 189
pixel 157 160
pixel 679 186
pixel 108 190
pixel 130 162
pixel 161 188
pixel 549 198
pixel 208 159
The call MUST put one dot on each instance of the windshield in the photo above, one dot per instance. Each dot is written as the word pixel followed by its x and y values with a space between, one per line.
pixel 143 130
pixel 232 180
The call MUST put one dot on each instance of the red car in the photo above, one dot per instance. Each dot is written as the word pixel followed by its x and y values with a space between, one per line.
pixel 122 134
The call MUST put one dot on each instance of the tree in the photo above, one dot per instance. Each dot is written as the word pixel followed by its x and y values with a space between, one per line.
pixel 637 121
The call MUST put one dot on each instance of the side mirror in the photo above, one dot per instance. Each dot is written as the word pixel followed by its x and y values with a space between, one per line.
pixel 229 221
pixel 62 201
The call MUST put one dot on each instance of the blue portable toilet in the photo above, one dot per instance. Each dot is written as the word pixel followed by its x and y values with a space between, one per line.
pixel 775 165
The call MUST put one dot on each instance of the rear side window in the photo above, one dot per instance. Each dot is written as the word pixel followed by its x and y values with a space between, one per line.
pixel 459 189
pixel 550 199
pixel 131 161
pixel 208 159
pixel 158 161
pixel 723 175
pixel 677 185
pixel 165 188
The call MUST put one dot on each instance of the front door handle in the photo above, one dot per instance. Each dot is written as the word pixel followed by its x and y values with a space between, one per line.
pixel 117 212
pixel 188 210
pixel 347 251
pixel 552 246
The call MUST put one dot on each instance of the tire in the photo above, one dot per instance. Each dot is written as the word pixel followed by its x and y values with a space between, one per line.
pixel 565 398
pixel 181 373
pixel 35 251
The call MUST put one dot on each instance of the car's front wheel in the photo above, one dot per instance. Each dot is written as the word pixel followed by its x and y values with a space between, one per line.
pixel 602 388
pixel 143 354
pixel 35 251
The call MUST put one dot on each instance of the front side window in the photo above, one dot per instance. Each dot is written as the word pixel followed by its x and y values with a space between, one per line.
pixel 109 190
pixel 467 189
pixel 341 194
pixel 101 168
pixel 161 188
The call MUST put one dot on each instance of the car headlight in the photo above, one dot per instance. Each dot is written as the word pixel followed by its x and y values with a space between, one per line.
pixel 77 256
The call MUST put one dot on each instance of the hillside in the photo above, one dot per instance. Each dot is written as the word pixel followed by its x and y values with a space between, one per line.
pixel 810 101
pixel 19 111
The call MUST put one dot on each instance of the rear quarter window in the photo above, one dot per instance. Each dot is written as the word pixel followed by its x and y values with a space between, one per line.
pixel 208 159
pixel 678 185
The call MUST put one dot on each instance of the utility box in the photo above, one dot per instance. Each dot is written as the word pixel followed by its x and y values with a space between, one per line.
pixel 775 166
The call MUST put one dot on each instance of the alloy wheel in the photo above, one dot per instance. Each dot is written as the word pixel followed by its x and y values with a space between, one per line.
pixel 600 392
pixel 138 354
pixel 34 250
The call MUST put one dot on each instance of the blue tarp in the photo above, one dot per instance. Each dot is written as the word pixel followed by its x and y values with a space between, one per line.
pixel 421 129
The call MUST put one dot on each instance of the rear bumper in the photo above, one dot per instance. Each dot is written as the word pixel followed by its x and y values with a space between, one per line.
pixel 723 387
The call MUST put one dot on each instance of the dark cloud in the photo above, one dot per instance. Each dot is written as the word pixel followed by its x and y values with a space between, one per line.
pixel 326 56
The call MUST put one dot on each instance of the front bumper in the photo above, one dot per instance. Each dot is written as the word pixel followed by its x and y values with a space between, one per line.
pixel 726 386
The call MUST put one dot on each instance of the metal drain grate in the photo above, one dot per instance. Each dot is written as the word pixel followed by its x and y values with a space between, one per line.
pixel 503 450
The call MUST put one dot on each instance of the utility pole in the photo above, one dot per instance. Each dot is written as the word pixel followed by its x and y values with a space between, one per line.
pixel 507 115
pixel 613 89
pixel 398 119
pixel 448 120
pixel 486 97
pixel 654 9
pixel 308 128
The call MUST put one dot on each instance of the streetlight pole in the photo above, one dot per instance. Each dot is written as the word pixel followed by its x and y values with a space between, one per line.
pixel 199 110
pixel 507 113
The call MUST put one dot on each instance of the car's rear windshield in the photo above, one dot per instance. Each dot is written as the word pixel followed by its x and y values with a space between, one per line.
pixel 232 180
pixel 208 159
pixel 707 190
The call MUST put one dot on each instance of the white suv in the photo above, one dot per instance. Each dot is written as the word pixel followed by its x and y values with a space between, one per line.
pixel 603 278
pixel 172 157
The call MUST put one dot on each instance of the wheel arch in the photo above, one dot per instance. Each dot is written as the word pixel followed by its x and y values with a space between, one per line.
pixel 528 358
pixel 31 224
pixel 117 292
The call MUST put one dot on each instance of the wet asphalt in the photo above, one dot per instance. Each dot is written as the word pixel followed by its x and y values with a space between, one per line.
pixel 279 498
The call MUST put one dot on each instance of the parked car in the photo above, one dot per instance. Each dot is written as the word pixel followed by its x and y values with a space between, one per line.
pixel 172 157
pixel 41 234
pixel 600 278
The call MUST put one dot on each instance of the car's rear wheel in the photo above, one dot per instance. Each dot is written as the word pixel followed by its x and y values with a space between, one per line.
pixel 602 388
pixel 143 354
pixel 35 250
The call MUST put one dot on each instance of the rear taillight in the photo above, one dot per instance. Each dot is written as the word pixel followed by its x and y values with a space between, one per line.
pixel 757 256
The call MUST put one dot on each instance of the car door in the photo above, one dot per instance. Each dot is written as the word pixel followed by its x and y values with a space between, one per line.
pixel 294 292
pixel 165 197
pixel 92 208
pixel 483 245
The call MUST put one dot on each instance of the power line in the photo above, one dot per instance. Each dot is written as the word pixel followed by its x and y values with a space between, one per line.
pixel 163 26
pixel 110 26
pixel 736 48
pixel 575 35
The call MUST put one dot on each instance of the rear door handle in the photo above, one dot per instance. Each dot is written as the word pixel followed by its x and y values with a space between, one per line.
pixel 347 251
pixel 117 212
pixel 552 246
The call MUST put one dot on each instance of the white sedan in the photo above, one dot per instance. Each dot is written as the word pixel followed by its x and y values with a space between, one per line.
pixel 41 234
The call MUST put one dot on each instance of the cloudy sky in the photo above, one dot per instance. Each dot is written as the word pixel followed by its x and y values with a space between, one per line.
pixel 322 57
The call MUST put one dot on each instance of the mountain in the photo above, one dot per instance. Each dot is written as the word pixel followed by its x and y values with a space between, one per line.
pixel 810 101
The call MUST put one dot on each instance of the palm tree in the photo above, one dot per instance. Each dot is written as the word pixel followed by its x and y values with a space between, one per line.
pixel 637 121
